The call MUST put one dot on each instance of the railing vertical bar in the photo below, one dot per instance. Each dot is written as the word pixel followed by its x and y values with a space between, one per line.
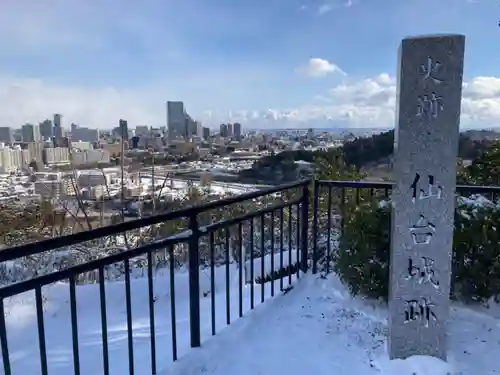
pixel 74 324
pixel 305 227
pixel 315 227
pixel 228 295
pixel 104 323
pixel 358 196
pixel 298 235
pixel 342 207
pixel 262 260
pixel 290 264
pixel 41 329
pixel 281 247
pixel 272 254
pixel 252 281
pixel 240 270
pixel 151 298
pixel 329 233
pixel 194 282
pixel 3 341
pixel 173 319
pixel 212 280
pixel 128 302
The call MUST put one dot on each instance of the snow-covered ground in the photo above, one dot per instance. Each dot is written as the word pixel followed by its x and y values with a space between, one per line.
pixel 178 188
pixel 22 331
pixel 315 328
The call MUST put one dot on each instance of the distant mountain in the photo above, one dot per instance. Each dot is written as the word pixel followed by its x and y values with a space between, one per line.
pixel 483 135
pixel 357 132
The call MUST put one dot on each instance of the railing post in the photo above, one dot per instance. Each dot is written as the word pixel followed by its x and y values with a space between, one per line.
pixel 315 225
pixel 305 227
pixel 194 282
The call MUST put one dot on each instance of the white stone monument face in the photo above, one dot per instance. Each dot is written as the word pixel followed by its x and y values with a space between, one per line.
pixel 429 94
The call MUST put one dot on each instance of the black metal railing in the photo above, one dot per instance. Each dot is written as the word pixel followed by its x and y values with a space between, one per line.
pixel 335 198
pixel 285 209
pixel 269 236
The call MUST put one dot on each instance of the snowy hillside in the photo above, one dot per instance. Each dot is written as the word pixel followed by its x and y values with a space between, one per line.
pixel 315 328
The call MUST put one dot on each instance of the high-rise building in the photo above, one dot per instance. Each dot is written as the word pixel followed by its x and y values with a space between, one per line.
pixel 30 133
pixel 46 131
pixel 142 130
pixel 58 131
pixel 176 120
pixel 6 135
pixel 90 157
pixel 84 134
pixel 55 155
pixel 223 130
pixel 36 151
pixel 237 130
pixel 191 127
pixel 116 132
pixel 229 130
pixel 123 125
pixel 11 159
pixel 199 129
pixel 206 133
pixel 134 142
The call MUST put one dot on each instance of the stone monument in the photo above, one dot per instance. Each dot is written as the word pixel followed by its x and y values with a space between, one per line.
pixel 429 95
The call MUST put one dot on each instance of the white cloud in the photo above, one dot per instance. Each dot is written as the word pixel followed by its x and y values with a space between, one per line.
pixel 371 102
pixel 482 87
pixel 328 7
pixel 367 102
pixel 31 100
pixel 325 8
pixel 317 67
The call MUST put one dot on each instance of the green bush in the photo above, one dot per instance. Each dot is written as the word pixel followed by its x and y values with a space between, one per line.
pixel 362 259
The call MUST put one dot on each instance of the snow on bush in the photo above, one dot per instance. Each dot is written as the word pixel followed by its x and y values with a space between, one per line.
pixel 362 260
pixel 54 260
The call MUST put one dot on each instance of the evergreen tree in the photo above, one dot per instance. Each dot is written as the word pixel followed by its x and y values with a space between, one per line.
pixel 485 170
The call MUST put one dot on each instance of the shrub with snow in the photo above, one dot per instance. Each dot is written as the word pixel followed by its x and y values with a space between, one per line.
pixel 362 258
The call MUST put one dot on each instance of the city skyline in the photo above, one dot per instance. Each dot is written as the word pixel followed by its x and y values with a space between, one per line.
pixel 278 64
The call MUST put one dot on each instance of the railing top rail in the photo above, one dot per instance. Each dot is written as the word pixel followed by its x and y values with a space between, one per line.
pixel 64 274
pixel 357 184
pixel 478 189
pixel 389 184
pixel 73 239
pixel 25 285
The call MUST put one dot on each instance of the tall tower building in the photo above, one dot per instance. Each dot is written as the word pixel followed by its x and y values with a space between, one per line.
pixel 206 133
pixel 6 135
pixel 123 126
pixel 46 131
pixel 176 120
pixel 223 130
pixel 58 132
pixel 237 130
pixel 30 133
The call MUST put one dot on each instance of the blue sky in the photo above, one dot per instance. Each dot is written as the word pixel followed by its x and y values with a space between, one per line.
pixel 95 61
